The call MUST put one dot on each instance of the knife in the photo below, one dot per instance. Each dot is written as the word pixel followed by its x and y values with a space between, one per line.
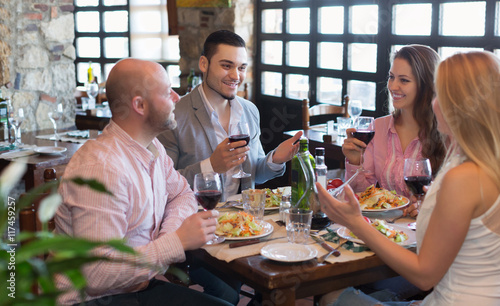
pixel 251 241
pixel 326 246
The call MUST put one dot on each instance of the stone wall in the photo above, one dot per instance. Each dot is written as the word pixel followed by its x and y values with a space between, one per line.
pixel 195 24
pixel 36 58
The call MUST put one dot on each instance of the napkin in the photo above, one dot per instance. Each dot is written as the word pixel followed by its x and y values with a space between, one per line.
pixel 223 252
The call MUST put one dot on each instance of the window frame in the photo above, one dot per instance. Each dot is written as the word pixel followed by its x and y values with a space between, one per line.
pixel 384 39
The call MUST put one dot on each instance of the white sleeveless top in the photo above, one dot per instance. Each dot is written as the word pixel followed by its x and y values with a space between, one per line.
pixel 474 276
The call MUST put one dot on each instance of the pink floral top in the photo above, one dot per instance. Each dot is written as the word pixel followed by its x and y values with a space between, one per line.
pixel 384 159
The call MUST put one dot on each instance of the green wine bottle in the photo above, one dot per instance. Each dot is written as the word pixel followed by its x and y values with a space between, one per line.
pixel 303 177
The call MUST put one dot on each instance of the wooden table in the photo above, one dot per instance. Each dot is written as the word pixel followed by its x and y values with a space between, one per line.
pixel 38 163
pixel 333 150
pixel 283 283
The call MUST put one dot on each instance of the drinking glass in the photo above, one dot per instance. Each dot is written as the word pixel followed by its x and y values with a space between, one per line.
pixel 237 132
pixel 92 92
pixel 365 132
pixel 55 115
pixel 343 124
pixel 208 191
pixel 355 108
pixel 417 173
pixel 16 118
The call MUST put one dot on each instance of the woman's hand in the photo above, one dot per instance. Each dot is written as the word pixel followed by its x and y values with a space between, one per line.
pixel 344 213
pixel 353 147
pixel 412 210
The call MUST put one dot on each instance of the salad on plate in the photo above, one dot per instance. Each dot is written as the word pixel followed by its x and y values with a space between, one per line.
pixel 238 224
pixel 387 230
pixel 374 198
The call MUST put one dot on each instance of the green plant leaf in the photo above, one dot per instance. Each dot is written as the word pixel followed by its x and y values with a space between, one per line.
pixel 93 184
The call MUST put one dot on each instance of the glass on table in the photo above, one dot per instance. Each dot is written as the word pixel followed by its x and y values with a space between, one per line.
pixel 343 124
pixel 208 191
pixel 16 118
pixel 354 109
pixel 254 202
pixel 298 225
pixel 55 115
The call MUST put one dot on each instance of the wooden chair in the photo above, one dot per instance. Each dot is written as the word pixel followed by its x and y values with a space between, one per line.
pixel 322 110
pixel 28 218
pixel 244 93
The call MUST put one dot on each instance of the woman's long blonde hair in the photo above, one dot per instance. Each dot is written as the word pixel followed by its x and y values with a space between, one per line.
pixel 468 93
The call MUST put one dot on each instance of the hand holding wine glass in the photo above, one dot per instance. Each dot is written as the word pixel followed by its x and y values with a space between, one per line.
pixel 55 115
pixel 16 118
pixel 208 191
pixel 417 173
pixel 238 132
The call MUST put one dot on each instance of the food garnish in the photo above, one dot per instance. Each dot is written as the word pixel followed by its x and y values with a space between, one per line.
pixel 238 224
pixel 388 231
pixel 379 198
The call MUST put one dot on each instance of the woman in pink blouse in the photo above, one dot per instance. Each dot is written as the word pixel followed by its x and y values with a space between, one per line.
pixel 409 132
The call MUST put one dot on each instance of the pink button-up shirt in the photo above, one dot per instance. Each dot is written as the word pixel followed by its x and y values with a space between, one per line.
pixel 150 201
pixel 384 159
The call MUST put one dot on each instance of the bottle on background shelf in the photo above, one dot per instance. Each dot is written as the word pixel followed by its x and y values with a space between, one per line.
pixel 90 74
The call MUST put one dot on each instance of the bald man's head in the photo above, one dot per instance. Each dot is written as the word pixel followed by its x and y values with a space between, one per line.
pixel 130 78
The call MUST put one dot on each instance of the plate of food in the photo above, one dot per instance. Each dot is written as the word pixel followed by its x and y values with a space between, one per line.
pixel 375 199
pixel 241 226
pixel 289 252
pixel 273 197
pixel 399 234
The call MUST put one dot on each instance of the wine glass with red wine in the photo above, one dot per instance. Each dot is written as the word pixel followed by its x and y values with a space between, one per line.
pixel 208 191
pixel 365 131
pixel 238 132
pixel 417 174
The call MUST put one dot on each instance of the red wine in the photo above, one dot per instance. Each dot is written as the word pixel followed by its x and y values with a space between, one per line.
pixel 208 199
pixel 416 183
pixel 235 138
pixel 364 136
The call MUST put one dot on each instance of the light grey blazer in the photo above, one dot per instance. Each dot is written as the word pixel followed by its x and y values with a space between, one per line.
pixel 194 140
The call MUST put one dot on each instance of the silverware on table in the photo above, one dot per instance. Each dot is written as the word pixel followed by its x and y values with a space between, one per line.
pixel 250 242
pixel 229 204
pixel 331 250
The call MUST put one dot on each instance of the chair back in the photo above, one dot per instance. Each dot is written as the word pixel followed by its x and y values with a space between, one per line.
pixel 322 110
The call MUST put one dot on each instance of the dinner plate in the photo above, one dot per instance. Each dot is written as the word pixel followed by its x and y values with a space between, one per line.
pixel 237 197
pixel 344 232
pixel 405 199
pixel 267 229
pixel 289 252
pixel 50 150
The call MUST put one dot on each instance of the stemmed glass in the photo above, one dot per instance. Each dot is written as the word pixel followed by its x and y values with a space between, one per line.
pixel 55 115
pixel 417 173
pixel 208 191
pixel 365 131
pixel 92 92
pixel 354 109
pixel 16 118
pixel 237 132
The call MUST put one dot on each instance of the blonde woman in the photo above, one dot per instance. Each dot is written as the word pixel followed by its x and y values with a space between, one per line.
pixel 458 228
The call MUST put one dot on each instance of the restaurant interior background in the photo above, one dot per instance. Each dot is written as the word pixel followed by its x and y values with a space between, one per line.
pixel 320 50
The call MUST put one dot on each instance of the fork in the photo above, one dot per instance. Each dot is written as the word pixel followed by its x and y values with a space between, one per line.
pixel 336 192
pixel 394 219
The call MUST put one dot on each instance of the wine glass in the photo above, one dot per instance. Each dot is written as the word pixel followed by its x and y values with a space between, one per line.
pixel 208 191
pixel 365 132
pixel 417 173
pixel 16 118
pixel 237 132
pixel 92 92
pixel 354 109
pixel 55 115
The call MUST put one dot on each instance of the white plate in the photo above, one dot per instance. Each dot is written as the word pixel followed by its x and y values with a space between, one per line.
pixel 289 252
pixel 407 201
pixel 237 197
pixel 50 150
pixel 412 238
pixel 267 229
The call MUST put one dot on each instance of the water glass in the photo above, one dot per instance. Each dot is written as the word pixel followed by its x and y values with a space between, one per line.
pixel 254 202
pixel 298 225
pixel 343 124
pixel 332 129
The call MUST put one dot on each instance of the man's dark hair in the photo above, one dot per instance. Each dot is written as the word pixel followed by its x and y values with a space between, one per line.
pixel 221 37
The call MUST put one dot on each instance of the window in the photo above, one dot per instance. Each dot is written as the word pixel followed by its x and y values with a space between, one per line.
pixel 323 50
pixel 108 30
